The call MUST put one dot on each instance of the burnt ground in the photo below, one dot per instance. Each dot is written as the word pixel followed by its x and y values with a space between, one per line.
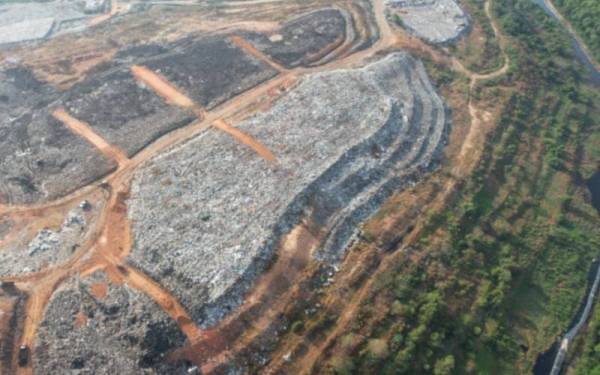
pixel 122 111
pixel 303 37
pixel 211 69
pixel 140 51
pixel 43 160
pixel 127 114
pixel 21 91
pixel 121 332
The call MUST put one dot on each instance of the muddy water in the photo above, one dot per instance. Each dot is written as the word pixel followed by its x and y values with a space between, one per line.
pixel 544 362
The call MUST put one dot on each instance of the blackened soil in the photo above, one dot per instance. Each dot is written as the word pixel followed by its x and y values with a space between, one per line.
pixel 211 70
pixel 122 111
pixel 43 160
pixel 304 36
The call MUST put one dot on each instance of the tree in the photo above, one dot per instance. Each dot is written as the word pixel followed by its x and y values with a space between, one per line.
pixel 444 366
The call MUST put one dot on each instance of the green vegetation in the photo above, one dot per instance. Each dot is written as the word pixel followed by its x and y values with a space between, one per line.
pixel 397 20
pixel 479 50
pixel 502 270
pixel 589 363
pixel 584 15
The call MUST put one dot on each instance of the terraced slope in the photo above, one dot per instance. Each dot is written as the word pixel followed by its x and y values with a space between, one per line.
pixel 343 140
pixel 315 38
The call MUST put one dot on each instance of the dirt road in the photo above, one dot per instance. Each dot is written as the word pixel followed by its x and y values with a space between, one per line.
pixel 476 77
pixel 245 139
pixel 272 292
pixel 475 136
pixel 85 131
pixel 173 95
pixel 162 87
pixel 243 44
pixel 114 9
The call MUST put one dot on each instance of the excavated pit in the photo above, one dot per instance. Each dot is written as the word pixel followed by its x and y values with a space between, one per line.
pixel 207 216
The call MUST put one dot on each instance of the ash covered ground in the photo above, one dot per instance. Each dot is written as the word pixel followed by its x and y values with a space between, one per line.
pixel 41 159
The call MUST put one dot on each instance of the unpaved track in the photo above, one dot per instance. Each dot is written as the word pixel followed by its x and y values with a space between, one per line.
pixel 474 136
pixel 243 44
pixel 245 139
pixel 108 252
pixel 110 249
pixel 142 282
pixel 114 9
pixel 85 131
pixel 172 95
pixel 39 295
pixel 113 248
pixel 162 87
pixel 182 135
pixel 39 288
pixel 272 292
pixel 476 77
pixel 197 353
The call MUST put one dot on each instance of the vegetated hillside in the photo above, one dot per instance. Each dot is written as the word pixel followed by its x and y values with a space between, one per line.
pixel 502 270
pixel 584 15
pixel 479 50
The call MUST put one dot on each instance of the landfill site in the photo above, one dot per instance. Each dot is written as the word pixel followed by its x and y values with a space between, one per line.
pixel 176 175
